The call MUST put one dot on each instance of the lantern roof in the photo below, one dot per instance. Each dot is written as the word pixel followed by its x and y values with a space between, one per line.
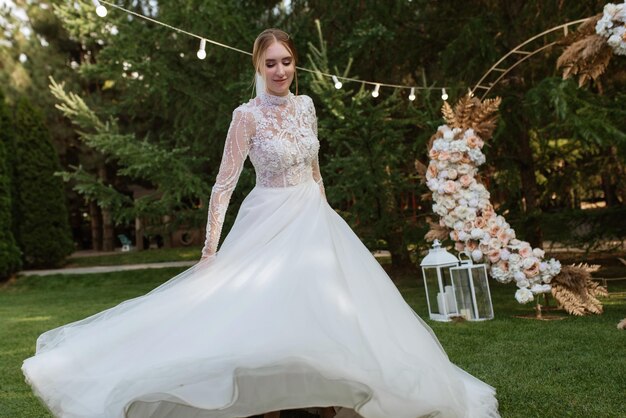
pixel 438 256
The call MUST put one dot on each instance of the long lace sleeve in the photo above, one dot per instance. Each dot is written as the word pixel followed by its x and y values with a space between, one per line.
pixel 235 153
pixel 315 164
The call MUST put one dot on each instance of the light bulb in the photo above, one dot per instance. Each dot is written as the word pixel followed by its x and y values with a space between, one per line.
pixel 412 94
pixel 202 51
pixel 101 11
pixel 444 95
pixel 375 92
pixel 338 83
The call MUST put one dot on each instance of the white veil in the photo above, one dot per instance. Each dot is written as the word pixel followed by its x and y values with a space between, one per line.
pixel 259 82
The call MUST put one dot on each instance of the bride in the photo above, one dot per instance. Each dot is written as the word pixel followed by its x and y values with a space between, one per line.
pixel 292 312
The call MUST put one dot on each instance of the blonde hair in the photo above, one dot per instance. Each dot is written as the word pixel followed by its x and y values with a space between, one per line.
pixel 267 38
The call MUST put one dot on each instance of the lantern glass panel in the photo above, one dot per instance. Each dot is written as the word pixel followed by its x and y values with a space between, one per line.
pixel 483 296
pixel 463 293
pixel 440 294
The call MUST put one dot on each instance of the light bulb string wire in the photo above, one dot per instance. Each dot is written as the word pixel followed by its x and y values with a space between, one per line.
pixel 241 51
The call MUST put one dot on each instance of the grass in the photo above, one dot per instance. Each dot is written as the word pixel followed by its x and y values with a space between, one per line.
pixel 570 368
pixel 137 257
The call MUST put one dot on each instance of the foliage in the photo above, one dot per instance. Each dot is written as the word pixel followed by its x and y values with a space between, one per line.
pixel 42 226
pixel 137 161
pixel 10 256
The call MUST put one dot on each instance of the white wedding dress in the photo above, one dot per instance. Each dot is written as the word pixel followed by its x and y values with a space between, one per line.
pixel 292 312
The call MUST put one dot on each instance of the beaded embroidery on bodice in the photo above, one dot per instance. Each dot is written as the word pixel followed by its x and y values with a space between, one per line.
pixel 279 133
pixel 285 143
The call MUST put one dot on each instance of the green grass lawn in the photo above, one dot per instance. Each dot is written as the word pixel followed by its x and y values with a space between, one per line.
pixel 570 368
pixel 137 257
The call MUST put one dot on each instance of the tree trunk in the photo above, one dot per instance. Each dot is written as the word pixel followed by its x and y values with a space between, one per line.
pixel 167 235
pixel 108 233
pixel 96 226
pixel 138 234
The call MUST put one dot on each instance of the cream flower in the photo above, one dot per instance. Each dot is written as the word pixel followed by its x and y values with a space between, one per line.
pixel 524 295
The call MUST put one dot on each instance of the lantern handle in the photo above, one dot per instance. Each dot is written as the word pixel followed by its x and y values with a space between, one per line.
pixel 468 260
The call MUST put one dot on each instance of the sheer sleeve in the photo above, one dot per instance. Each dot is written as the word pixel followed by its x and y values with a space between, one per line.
pixel 235 153
pixel 315 164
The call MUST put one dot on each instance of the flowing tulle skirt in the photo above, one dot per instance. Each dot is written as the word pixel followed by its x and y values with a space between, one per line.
pixel 293 312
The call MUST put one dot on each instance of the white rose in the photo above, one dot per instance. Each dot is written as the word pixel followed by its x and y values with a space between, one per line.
pixel 515 259
pixel 464 236
pixel 524 283
pixel 477 255
pixel 504 254
pixel 519 276
pixel 477 233
pixel 524 295
pixel 538 252
pixel 538 288
pixel 528 262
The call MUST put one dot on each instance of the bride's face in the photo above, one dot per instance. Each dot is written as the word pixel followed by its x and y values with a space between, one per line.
pixel 279 69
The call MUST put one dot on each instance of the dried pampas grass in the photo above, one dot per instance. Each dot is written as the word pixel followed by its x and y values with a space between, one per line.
pixel 575 290
pixel 586 54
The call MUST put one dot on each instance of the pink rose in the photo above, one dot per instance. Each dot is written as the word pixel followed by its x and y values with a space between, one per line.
pixel 533 270
pixel 494 256
pixel 494 230
pixel 465 180
pixel 455 156
pixel 472 142
pixel 526 251
pixel 449 186
pixel 454 236
pixel 467 227
pixel 459 246
pixel 465 159
pixel 503 236
pixel 431 171
pixel 444 156
pixel 480 222
pixel 504 265
pixel 433 154
pixel 471 245
pixel 488 211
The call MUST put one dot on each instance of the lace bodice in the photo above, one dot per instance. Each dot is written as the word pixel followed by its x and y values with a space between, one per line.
pixel 279 134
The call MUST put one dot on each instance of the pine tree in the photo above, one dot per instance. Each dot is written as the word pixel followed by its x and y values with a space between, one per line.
pixel 43 232
pixel 9 252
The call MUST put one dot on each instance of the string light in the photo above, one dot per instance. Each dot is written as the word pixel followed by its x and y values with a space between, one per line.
pixel 202 51
pixel 100 9
pixel 444 95
pixel 375 91
pixel 338 83
pixel 412 94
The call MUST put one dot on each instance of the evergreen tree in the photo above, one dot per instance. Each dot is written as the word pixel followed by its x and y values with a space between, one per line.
pixel 9 252
pixel 43 232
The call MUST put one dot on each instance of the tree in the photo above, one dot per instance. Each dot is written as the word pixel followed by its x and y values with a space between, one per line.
pixel 42 226
pixel 9 252
pixel 369 160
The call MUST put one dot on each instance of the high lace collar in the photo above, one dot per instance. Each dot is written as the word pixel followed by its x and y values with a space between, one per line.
pixel 271 99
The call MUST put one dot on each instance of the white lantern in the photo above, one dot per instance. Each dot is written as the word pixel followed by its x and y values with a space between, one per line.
pixel 438 283
pixel 471 290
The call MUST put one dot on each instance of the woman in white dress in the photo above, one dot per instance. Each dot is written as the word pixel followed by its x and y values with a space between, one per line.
pixel 292 312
